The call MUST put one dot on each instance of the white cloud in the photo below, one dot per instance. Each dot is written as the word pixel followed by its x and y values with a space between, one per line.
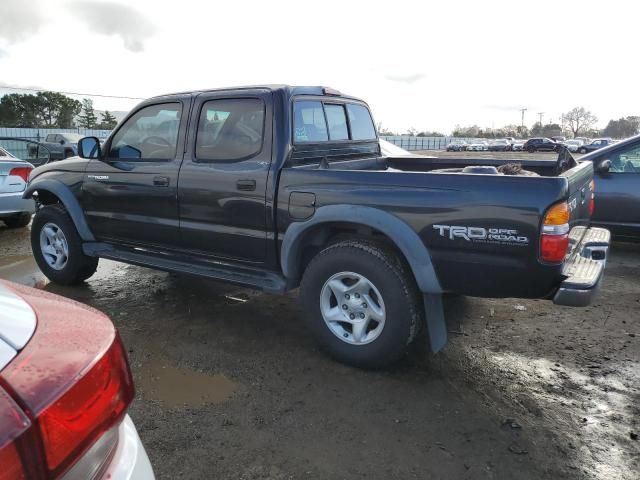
pixel 20 19
pixel 429 65
pixel 110 18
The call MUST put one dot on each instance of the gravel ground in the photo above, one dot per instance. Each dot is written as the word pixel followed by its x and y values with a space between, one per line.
pixel 230 385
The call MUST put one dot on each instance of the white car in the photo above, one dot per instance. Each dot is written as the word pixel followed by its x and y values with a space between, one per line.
pixel 478 146
pixel 388 149
pixel 573 145
pixel 70 421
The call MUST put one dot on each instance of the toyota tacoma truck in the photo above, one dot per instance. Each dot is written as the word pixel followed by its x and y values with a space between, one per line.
pixel 278 187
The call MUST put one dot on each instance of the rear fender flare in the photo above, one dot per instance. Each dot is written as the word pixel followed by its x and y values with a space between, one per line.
pixel 399 232
pixel 68 199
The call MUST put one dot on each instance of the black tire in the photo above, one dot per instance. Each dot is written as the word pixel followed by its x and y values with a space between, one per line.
pixel 582 150
pixel 79 266
pixel 18 221
pixel 391 276
pixel 69 154
pixel 531 150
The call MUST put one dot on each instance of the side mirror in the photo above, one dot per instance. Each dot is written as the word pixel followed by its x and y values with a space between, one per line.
pixel 61 142
pixel 603 166
pixel 89 147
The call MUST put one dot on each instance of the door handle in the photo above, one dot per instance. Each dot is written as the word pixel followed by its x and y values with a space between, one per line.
pixel 161 181
pixel 246 185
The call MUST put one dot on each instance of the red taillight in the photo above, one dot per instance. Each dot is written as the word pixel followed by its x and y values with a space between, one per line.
pixel 92 406
pixel 592 199
pixel 13 424
pixel 10 464
pixel 553 248
pixel 22 172
pixel 554 239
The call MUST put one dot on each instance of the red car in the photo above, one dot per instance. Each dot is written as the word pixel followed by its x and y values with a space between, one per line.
pixel 65 386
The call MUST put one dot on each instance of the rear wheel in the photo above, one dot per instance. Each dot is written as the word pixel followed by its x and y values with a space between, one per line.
pixel 361 303
pixel 18 221
pixel 531 149
pixel 583 150
pixel 57 247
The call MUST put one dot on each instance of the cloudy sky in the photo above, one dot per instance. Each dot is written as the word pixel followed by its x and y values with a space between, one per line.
pixel 427 65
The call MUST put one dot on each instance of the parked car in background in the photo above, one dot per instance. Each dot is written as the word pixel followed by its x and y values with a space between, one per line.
pixel 617 196
pixel 541 144
pixel 457 146
pixel 595 145
pixel 573 145
pixel 477 146
pixel 517 145
pixel 500 145
pixel 65 142
pixel 584 140
pixel 559 138
pixel 15 211
pixel 63 403
pixel 30 151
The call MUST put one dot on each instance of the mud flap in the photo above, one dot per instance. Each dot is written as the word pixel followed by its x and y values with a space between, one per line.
pixel 436 324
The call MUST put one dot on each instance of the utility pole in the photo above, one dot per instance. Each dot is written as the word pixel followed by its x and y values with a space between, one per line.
pixel 522 110
pixel 541 114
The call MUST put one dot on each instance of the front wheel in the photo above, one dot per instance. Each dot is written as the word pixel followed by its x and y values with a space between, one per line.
pixel 57 247
pixel 582 150
pixel 361 303
pixel 531 150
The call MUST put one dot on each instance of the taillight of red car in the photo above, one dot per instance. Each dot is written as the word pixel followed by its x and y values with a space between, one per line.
pixel 592 198
pixel 554 238
pixel 73 382
pixel 22 172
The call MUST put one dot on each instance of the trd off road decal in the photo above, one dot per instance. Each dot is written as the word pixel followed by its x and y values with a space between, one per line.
pixel 502 236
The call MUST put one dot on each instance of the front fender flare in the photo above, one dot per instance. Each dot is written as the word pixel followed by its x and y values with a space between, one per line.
pixel 68 199
pixel 399 232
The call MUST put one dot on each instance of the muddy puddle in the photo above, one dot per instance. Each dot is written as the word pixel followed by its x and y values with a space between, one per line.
pixel 22 269
pixel 177 387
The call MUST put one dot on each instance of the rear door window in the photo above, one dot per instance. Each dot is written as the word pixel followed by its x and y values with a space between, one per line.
pixel 309 122
pixel 361 123
pixel 230 129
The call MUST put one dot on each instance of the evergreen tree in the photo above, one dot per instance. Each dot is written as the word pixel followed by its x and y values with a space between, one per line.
pixel 87 117
pixel 108 121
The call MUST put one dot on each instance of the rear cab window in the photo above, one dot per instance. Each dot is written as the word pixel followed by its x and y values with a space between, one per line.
pixel 317 121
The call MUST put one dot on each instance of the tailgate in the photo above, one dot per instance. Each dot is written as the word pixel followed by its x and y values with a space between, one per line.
pixel 580 193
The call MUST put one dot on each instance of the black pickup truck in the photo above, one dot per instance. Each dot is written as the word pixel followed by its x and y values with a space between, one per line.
pixel 278 187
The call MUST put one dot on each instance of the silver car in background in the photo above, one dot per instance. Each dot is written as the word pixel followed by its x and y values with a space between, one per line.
pixel 15 211
pixel 573 145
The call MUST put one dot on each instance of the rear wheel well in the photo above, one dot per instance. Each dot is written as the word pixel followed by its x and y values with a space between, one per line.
pixel 327 234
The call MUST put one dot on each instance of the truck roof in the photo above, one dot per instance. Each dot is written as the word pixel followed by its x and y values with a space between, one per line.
pixel 289 90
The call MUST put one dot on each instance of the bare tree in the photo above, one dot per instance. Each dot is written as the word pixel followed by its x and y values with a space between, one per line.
pixel 580 120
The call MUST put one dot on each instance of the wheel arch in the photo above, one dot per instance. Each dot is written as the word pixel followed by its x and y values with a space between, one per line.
pixel 299 235
pixel 49 189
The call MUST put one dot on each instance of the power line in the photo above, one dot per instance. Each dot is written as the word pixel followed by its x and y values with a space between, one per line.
pixel 27 89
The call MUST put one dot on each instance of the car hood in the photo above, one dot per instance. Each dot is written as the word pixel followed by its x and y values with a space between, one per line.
pixel 71 164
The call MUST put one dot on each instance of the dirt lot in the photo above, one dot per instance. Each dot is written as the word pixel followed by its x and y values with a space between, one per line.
pixel 231 386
